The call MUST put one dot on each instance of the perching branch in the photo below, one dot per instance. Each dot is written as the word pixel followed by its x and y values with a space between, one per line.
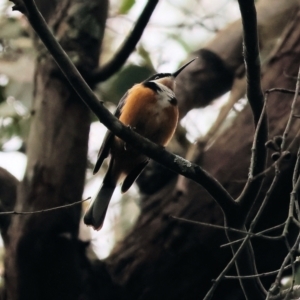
pixel 152 150
pixel 110 68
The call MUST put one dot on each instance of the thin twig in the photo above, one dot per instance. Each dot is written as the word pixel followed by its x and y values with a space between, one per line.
pixel 266 198
pixel 225 270
pixel 279 237
pixel 255 179
pixel 296 168
pixel 295 293
pixel 293 199
pixel 259 153
pixel 254 95
pixel 275 287
pixel 261 274
pixel 289 123
pixel 42 210
pixel 258 235
pixel 295 180
pixel 293 268
pixel 252 226
pixel 119 58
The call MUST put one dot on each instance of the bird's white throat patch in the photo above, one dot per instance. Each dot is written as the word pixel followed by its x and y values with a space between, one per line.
pixel 165 95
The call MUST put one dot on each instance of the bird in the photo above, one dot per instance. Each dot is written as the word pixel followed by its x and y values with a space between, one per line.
pixel 150 109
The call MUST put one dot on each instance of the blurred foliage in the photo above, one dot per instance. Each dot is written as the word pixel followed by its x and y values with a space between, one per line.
pixel 14 120
pixel 10 28
pixel 114 88
pixel 126 5
pixel 16 76
pixel 178 39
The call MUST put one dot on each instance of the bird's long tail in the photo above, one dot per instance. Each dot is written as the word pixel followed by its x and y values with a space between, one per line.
pixel 95 215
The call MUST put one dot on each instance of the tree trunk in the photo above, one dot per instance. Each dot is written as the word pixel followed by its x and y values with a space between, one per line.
pixel 43 255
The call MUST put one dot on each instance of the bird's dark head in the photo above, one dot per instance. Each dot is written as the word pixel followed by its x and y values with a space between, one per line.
pixel 167 79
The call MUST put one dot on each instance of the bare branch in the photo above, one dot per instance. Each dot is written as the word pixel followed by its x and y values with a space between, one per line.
pixel 110 68
pixel 261 233
pixel 244 241
pixel 275 287
pixel 294 292
pixel 262 274
pixel 295 181
pixel 258 235
pixel 225 270
pixel 288 125
pixel 42 210
pixel 255 98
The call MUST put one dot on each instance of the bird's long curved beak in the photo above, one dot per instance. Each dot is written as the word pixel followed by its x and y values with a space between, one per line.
pixel 183 67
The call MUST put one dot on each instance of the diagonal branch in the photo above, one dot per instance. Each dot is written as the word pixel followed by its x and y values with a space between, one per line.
pixel 152 150
pixel 126 49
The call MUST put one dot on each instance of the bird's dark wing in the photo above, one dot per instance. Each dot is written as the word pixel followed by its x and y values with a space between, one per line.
pixel 108 139
pixel 133 175
pixel 120 105
pixel 104 150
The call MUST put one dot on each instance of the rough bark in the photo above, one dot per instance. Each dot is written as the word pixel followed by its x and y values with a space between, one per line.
pixel 162 258
pixel 8 193
pixel 44 259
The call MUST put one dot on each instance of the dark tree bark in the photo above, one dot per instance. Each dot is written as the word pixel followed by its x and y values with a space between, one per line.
pixel 44 259
pixel 8 193
pixel 162 258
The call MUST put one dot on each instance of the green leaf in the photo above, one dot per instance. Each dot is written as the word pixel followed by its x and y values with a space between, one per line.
pixel 126 6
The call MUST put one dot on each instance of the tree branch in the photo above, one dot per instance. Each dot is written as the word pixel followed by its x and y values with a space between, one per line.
pixel 261 274
pixel 245 262
pixel 173 162
pixel 255 98
pixel 13 212
pixel 289 122
pixel 226 228
pixel 126 49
